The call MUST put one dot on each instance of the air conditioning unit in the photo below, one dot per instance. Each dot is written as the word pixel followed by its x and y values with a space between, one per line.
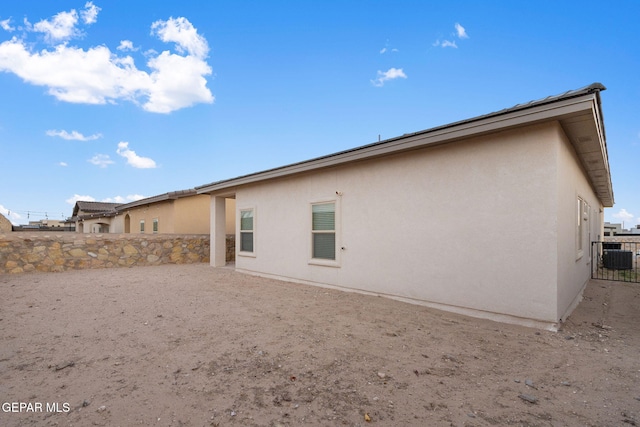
pixel 615 259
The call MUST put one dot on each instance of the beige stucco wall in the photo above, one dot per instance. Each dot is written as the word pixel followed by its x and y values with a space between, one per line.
pixel 230 216
pixel 191 214
pixel 574 268
pixel 163 211
pixel 422 225
pixel 187 215
pixel 92 225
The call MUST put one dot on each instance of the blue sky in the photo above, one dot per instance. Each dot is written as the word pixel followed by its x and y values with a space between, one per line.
pixel 113 101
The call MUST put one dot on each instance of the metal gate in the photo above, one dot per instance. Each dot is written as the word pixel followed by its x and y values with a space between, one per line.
pixel 615 261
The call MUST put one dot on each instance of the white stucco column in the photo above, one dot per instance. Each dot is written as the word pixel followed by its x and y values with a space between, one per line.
pixel 218 232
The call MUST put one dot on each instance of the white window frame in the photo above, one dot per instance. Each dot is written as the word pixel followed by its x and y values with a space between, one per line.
pixel 240 252
pixel 338 233
pixel 142 226
pixel 156 226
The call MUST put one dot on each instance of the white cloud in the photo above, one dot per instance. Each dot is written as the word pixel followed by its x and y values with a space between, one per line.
pixel 61 27
pixel 116 199
pixel 461 32
pixel 623 215
pixel 63 164
pixel 446 43
pixel 101 160
pixel 6 25
pixel 177 83
pixel 390 74
pixel 120 199
pixel 387 49
pixel 90 13
pixel 11 216
pixel 126 45
pixel 133 159
pixel 183 33
pixel 74 135
pixel 77 198
pixel 98 76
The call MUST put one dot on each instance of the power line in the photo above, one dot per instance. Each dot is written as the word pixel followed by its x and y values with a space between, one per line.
pixel 35 214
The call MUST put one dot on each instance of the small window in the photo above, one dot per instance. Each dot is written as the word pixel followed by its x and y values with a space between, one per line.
pixel 155 225
pixel 323 231
pixel 246 230
pixel 142 225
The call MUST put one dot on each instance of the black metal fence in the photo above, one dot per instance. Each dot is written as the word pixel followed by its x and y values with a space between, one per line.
pixel 615 261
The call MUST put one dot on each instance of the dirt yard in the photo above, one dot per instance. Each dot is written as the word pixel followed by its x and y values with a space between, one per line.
pixel 195 346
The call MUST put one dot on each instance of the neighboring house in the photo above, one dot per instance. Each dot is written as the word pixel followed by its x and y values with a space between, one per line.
pixel 612 229
pixel 93 217
pixel 49 223
pixel 176 212
pixel 414 217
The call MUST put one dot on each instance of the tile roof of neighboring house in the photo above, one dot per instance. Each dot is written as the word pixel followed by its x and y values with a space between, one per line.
pixel 104 210
pixel 94 207
pixel 172 195
pixel 578 111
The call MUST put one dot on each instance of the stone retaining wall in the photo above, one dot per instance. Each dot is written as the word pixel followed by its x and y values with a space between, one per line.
pixel 25 252
pixel 623 239
pixel 5 225
pixel 231 248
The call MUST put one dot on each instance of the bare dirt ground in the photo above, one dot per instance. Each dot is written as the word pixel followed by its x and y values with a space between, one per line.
pixel 195 346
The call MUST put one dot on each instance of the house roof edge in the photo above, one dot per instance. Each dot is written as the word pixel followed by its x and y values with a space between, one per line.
pixel 446 133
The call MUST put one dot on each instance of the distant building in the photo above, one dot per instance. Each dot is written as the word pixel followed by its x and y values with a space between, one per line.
pixel 49 223
pixel 612 229
pixel 175 212
pixel 93 217
pixel 617 230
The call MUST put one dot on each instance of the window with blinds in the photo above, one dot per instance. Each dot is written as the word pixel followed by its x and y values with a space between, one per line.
pixel 246 230
pixel 323 230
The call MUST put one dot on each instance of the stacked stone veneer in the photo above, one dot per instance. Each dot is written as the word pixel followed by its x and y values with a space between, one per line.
pixel 231 248
pixel 25 252
pixel 5 225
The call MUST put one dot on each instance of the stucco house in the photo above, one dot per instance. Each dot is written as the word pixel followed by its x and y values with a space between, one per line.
pixel 175 212
pixel 414 217
pixel 93 217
